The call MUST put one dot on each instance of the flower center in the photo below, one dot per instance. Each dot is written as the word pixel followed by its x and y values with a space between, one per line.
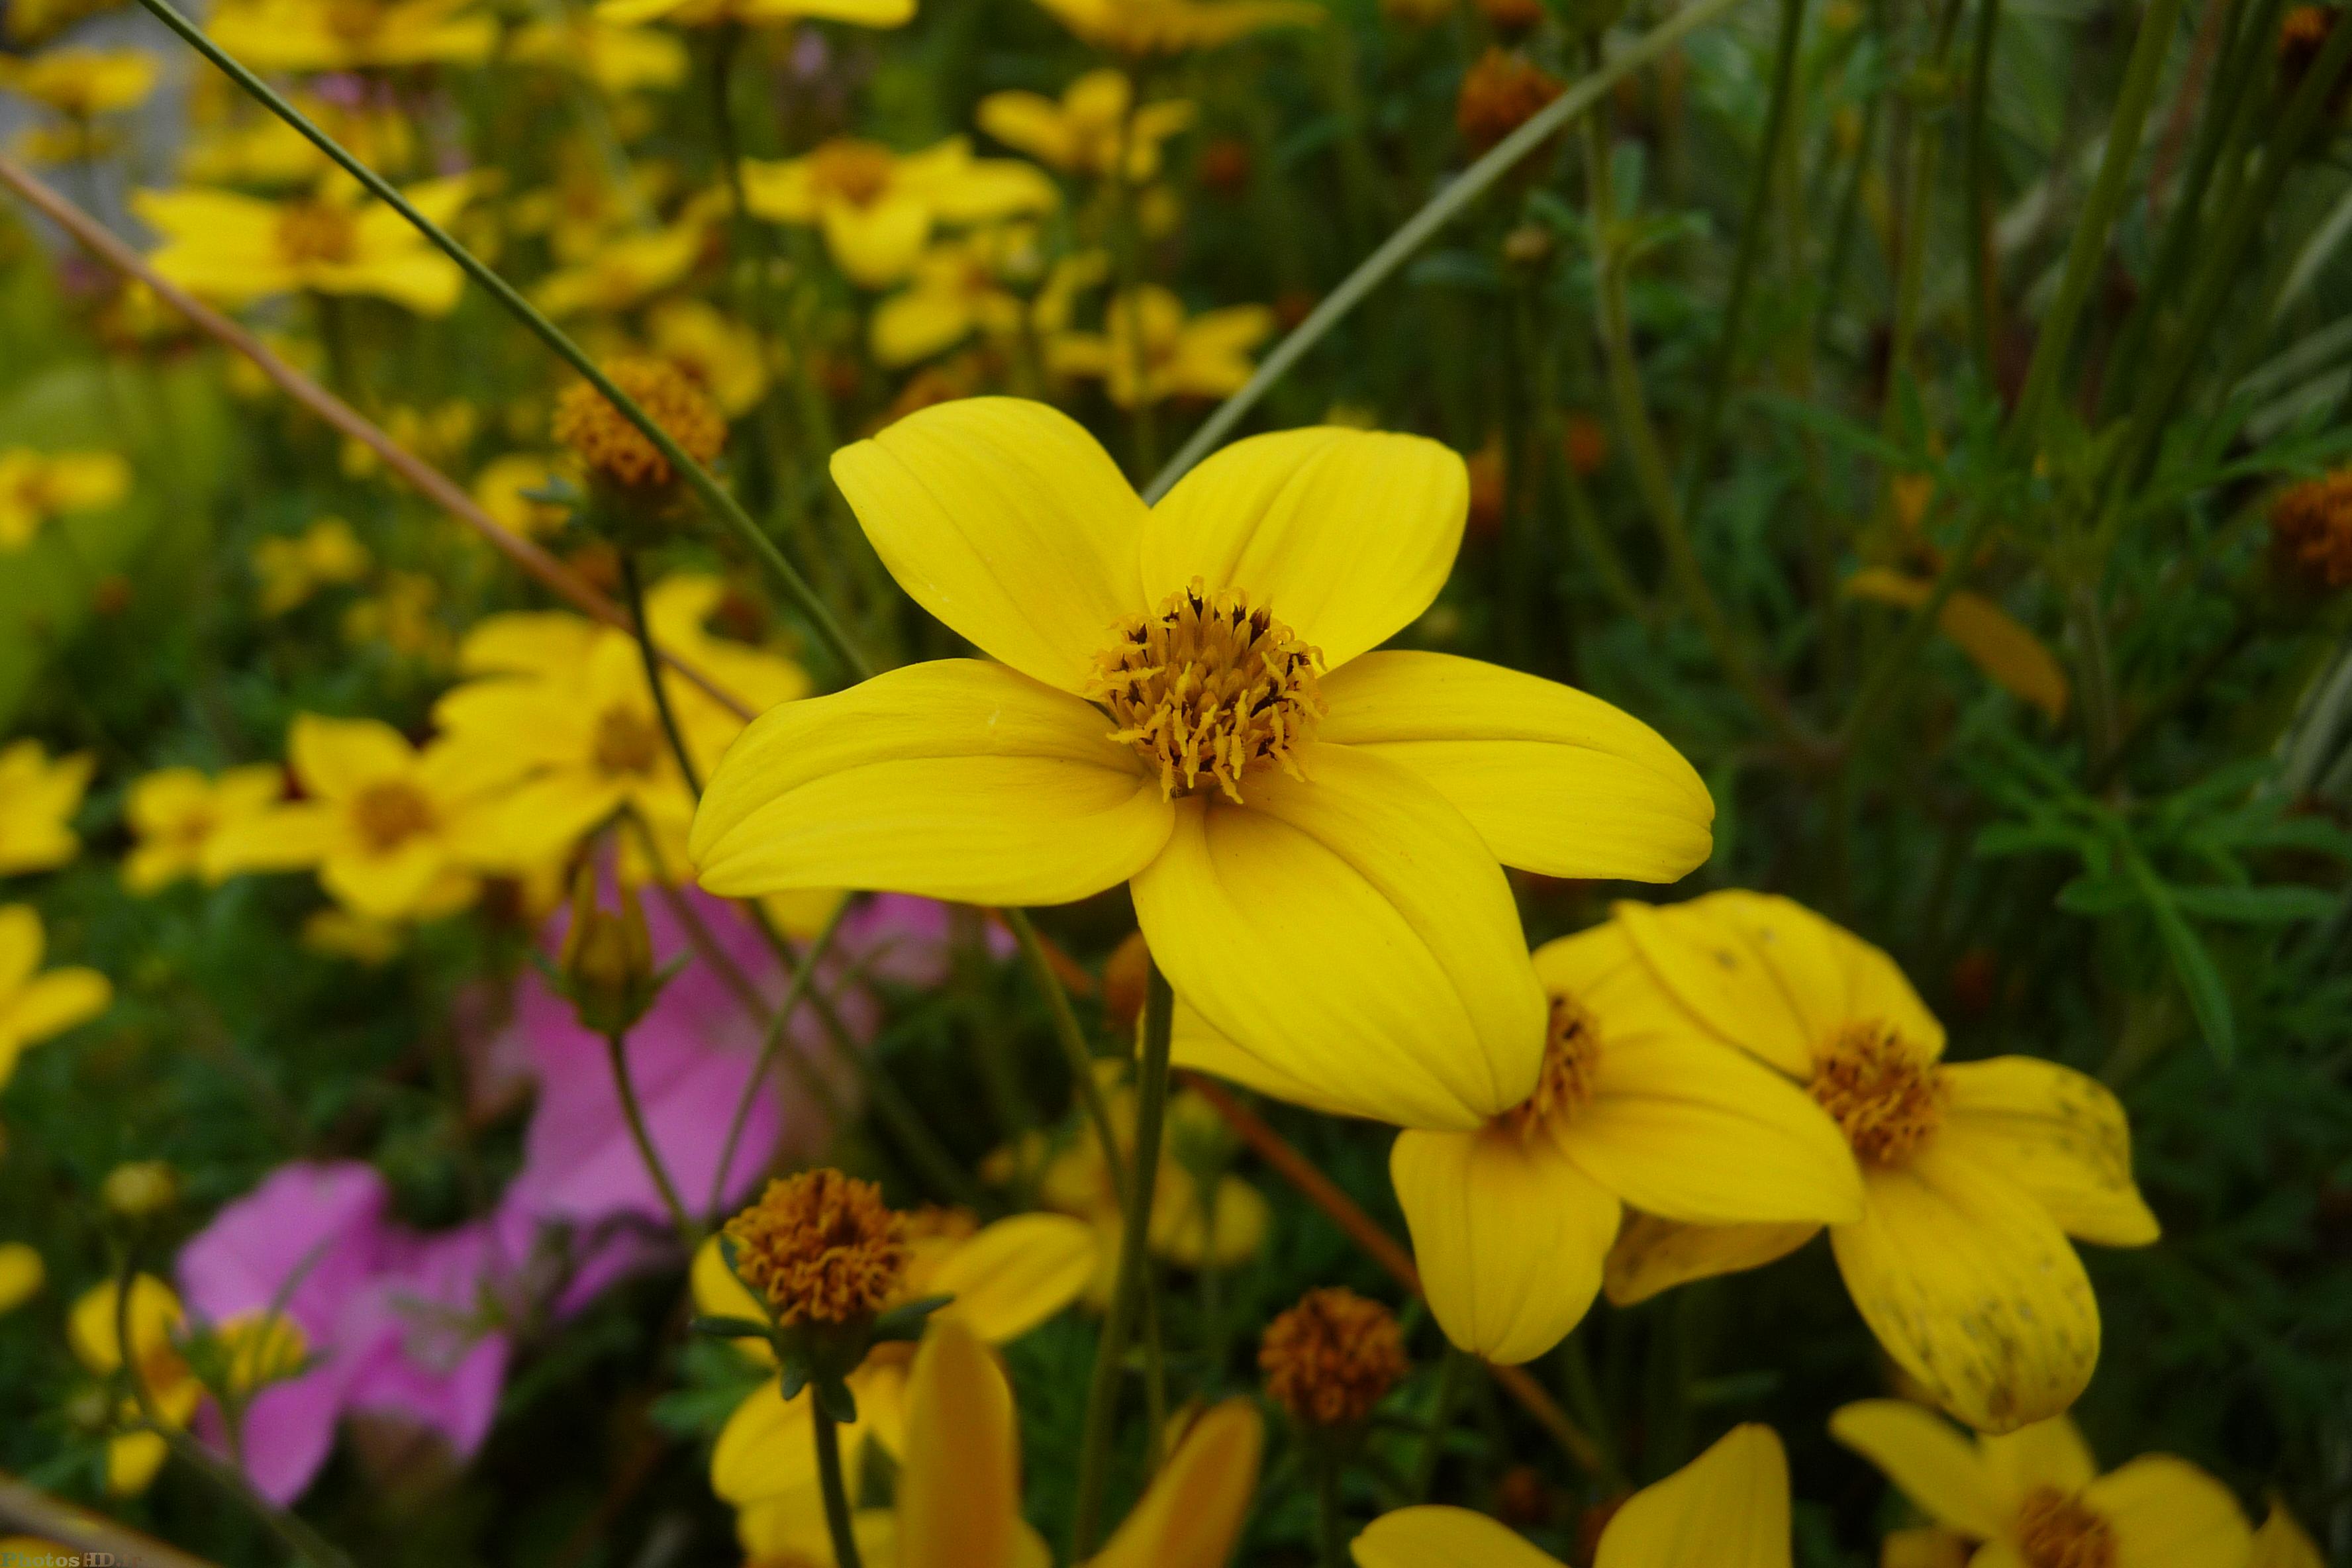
pixel 389 814
pixel 1572 1056
pixel 615 451
pixel 626 742
pixel 2055 1531
pixel 1332 1357
pixel 312 231
pixel 1886 1095
pixel 858 172
pixel 1207 685
pixel 354 21
pixel 821 1245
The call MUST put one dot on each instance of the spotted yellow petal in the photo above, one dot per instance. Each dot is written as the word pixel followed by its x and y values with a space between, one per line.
pixel 1424 1537
pixel 2058 1133
pixel 1929 1461
pixel 1727 1508
pixel 1654 1255
pixel 1191 1513
pixel 2167 1513
pixel 954 780
pixel 1508 1234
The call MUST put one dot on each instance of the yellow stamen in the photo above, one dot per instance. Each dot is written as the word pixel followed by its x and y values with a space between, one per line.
pixel 1886 1095
pixel 2055 1530
pixel 1571 1058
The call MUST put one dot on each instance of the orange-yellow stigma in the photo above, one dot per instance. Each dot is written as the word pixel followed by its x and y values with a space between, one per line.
pixel 613 449
pixel 820 1246
pixel 1209 687
pixel 1572 1058
pixel 1885 1094
pixel 1332 1357
pixel 2055 1530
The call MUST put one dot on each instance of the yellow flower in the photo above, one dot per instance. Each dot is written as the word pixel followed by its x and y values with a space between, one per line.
pixel 2034 1498
pixel 1006 1279
pixel 400 616
pixel 499 491
pixel 724 356
pixel 568 700
pixel 137 1189
pixel 1973 1175
pixel 587 202
pixel 34 1005
pixel 1149 349
pixel 1727 1508
pixel 624 270
pixel 394 833
pixel 1511 1224
pixel 82 82
pixel 178 812
pixel 440 436
pixel 339 934
pixel 969 284
pixel 252 147
pixel 877 208
pixel 29 22
pixel 37 802
pixel 291 570
pixel 152 1320
pixel 22 1274
pixel 758 13
pixel 350 34
pixel 1092 131
pixel 35 487
pixel 1994 640
pixel 1171 26
pixel 233 249
pixel 1266 790
pixel 617 59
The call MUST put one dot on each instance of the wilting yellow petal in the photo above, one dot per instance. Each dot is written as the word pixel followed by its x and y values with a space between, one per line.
pixel 1972 1288
pixel 1994 640
pixel 1010 523
pixel 953 780
pixel 1929 1462
pixel 1727 1508
pixel 1351 929
pixel 1508 1234
pixel 1554 780
pixel 2058 1133
pixel 2167 1513
pixel 1193 1511
pixel 2282 1543
pixel 1344 536
pixel 1654 1255
pixel 1453 1537
pixel 1017 1273
pixel 960 1474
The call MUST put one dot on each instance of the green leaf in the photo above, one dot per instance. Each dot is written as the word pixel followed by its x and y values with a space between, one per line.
pixel 2256 906
pixel 2193 966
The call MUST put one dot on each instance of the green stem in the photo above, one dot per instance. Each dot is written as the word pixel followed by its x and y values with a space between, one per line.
pixel 1879 685
pixel 1978 213
pixel 1330 1519
pixel 708 488
pixel 616 1051
pixel 1073 1041
pixel 1453 1379
pixel 633 585
pixel 1416 231
pixel 940 1169
pixel 1126 1292
pixel 838 1519
pixel 770 1047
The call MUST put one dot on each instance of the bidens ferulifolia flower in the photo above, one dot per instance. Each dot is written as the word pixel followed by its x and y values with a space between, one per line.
pixel 1973 1175
pixel 1186 701
pixel 39 798
pixel 233 249
pixel 877 208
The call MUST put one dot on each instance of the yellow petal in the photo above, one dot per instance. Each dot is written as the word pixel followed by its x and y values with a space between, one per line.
pixel 988 188
pixel 131 1461
pixel 2282 1543
pixel 21 1274
pixel 1652 1255
pixel 335 758
pixel 2167 1513
pixel 1352 929
pixel 1554 780
pixel 1454 1537
pixel 2046 1454
pixel 1995 641
pixel 954 780
pixel 2059 1134
pixel 54 1003
pixel 387 887
pixel 1727 1508
pixel 1972 1288
pixel 1010 523
pixel 876 245
pixel 1508 1234
pixel 719 1294
pixel 1345 535
pixel 959 1476
pixel 288 838
pixel 1929 1462
pixel 918 323
pixel 1195 1044
pixel 151 1317
pixel 1193 1511
pixel 1017 1273
pixel 768 1447
pixel 21 945
pixel 1030 122
pixel 1929 1546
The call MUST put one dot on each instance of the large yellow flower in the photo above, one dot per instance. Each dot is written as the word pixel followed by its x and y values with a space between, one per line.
pixel 82 82
pixel 38 801
pixel 1095 129
pixel 351 35
pixel 151 1320
pixel 877 208
pixel 1149 349
pixel 1974 1174
pixel 1006 1279
pixel 1170 27
pixel 1727 1508
pixel 35 487
pixel 973 283
pixel 178 812
pixel 34 1005
pixel 1511 1224
pixel 1186 701
pixel 233 249
pixel 395 833
pixel 2034 1497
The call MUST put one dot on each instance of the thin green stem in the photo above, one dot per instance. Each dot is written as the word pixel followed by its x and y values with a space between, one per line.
pixel 1330 1519
pixel 1452 1379
pixel 1073 1041
pixel 937 1166
pixel 837 1518
pixel 1983 296
pixel 633 585
pixel 616 1051
pixel 1416 231
pixel 1126 1292
pixel 705 488
pixel 771 1046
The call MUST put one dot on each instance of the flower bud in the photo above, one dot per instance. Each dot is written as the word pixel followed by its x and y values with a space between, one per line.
pixel 607 966
pixel 1331 1358
pixel 139 1189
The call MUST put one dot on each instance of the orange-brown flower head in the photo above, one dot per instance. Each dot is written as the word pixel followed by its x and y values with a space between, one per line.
pixel 2311 532
pixel 1512 18
pixel 2303 33
pixel 1883 1092
pixel 615 451
pixel 820 1248
pixel 1586 442
pixel 1225 165
pixel 1332 1357
pixel 1500 92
